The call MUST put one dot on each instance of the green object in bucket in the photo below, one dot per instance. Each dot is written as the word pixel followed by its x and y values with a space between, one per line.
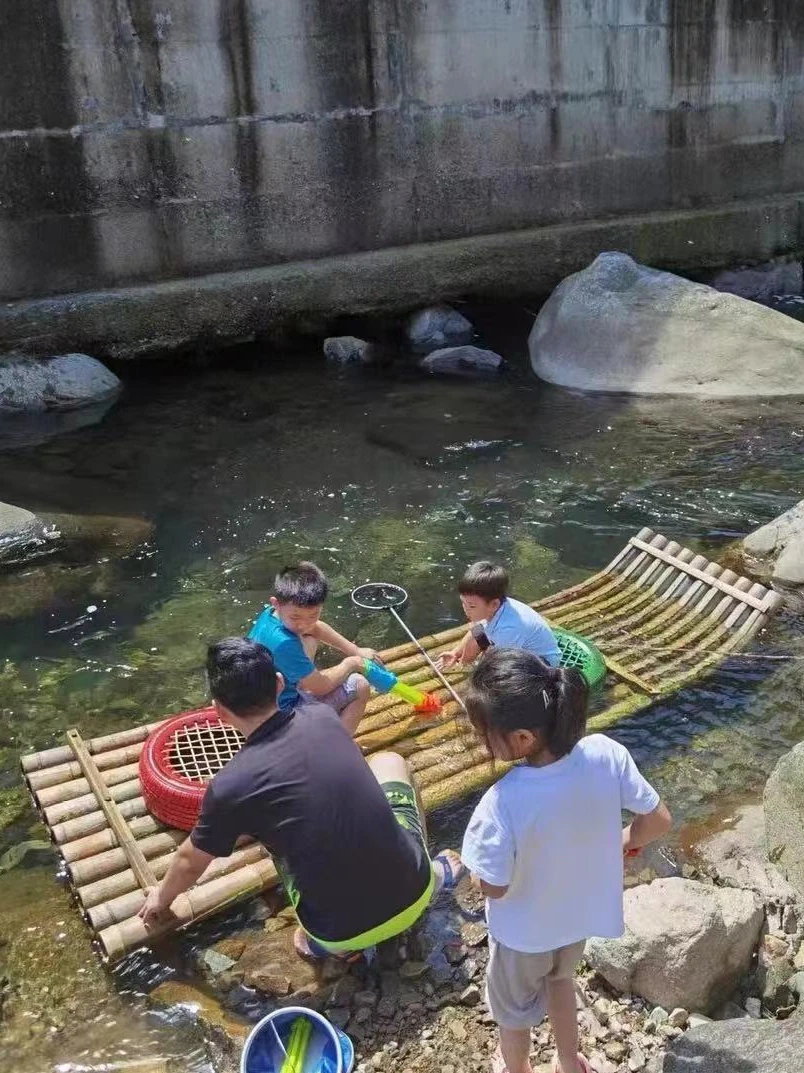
pixel 296 1051
pixel 580 654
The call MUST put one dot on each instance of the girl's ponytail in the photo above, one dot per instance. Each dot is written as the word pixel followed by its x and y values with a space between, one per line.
pixel 566 713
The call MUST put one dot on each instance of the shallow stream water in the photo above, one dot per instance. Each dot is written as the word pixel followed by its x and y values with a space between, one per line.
pixel 198 486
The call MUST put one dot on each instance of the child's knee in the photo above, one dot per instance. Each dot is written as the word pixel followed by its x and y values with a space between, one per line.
pixel 361 687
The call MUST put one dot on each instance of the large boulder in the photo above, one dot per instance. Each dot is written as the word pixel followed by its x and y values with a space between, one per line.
pixel 437 327
pixel 66 382
pixel 619 326
pixel 777 549
pixel 686 944
pixel 737 1046
pixel 784 817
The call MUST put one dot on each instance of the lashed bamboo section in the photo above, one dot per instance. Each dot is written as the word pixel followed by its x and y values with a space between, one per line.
pixel 660 614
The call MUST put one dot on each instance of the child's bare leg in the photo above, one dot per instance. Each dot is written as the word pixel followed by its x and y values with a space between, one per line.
pixel 515 1047
pixel 563 1016
pixel 354 710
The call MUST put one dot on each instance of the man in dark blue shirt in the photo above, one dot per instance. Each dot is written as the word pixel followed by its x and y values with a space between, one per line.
pixel 347 838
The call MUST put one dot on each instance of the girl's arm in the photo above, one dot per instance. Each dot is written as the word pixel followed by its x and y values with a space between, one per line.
pixel 646 829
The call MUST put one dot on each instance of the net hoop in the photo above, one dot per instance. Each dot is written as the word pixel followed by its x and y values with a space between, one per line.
pixel 379 596
pixel 178 760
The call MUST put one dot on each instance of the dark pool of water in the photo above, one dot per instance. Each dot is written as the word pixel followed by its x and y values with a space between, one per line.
pixel 230 472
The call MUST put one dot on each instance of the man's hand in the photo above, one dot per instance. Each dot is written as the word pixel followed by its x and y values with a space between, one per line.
pixel 153 912
pixel 448 659
pixel 370 653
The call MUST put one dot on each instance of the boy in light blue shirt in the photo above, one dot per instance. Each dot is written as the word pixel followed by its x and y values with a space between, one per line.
pixel 498 619
pixel 291 629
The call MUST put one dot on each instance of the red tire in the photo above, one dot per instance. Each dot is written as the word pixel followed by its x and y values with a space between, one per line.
pixel 171 795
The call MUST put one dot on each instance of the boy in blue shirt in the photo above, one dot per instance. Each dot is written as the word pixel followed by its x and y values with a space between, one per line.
pixel 498 619
pixel 291 629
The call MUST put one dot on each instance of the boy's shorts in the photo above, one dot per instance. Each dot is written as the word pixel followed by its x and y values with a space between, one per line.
pixel 339 698
pixel 515 982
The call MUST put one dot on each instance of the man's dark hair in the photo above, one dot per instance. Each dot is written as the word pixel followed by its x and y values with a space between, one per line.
pixel 241 676
pixel 303 585
pixel 486 580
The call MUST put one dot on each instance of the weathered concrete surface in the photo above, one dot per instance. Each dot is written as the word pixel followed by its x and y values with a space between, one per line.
pixel 149 318
pixel 148 141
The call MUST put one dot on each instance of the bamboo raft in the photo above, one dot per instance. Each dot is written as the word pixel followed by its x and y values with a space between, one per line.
pixel 661 615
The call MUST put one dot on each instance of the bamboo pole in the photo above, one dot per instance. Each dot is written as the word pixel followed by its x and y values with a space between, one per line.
pixel 93 822
pixel 63 754
pixel 139 865
pixel 106 891
pixel 89 869
pixel 104 761
pixel 80 806
pixel 68 791
pixel 92 844
pixel 118 939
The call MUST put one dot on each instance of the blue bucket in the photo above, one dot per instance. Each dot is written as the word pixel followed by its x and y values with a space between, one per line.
pixel 329 1050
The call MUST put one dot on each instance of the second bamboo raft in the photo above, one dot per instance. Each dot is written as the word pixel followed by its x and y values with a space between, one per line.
pixel 660 614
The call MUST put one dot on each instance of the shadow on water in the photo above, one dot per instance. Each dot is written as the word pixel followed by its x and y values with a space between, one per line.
pixel 237 470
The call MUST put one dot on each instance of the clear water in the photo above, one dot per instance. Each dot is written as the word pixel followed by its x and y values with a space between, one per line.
pixel 217 476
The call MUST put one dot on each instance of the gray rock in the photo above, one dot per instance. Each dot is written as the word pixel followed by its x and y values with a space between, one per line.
pixel 679 1017
pixel 753 1007
pixel 620 326
pixel 658 1015
pixel 761 282
pixel 796 984
pixel 686 943
pixel 348 350
pixel 784 817
pixel 777 549
pixel 439 326
pixel 66 382
pixel 463 361
pixel 698 1019
pixel 744 1046
pixel 738 858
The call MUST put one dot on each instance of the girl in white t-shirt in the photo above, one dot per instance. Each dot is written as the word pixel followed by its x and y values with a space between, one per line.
pixel 546 843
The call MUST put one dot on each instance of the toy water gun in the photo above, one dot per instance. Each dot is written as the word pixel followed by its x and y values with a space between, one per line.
pixel 385 681
pixel 296 1050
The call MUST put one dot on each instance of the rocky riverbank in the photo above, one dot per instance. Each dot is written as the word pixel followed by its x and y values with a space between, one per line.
pixel 715 940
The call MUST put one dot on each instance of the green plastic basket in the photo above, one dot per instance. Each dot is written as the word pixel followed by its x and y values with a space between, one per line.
pixel 582 655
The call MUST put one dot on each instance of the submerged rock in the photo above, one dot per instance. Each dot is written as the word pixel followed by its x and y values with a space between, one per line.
pixel 439 326
pixel 761 282
pixel 784 817
pixel 777 549
pixel 686 944
pixel 620 326
pixel 66 382
pixel 23 535
pixel 463 361
pixel 348 350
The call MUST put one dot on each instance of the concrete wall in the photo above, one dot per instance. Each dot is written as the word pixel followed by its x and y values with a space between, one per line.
pixel 147 140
